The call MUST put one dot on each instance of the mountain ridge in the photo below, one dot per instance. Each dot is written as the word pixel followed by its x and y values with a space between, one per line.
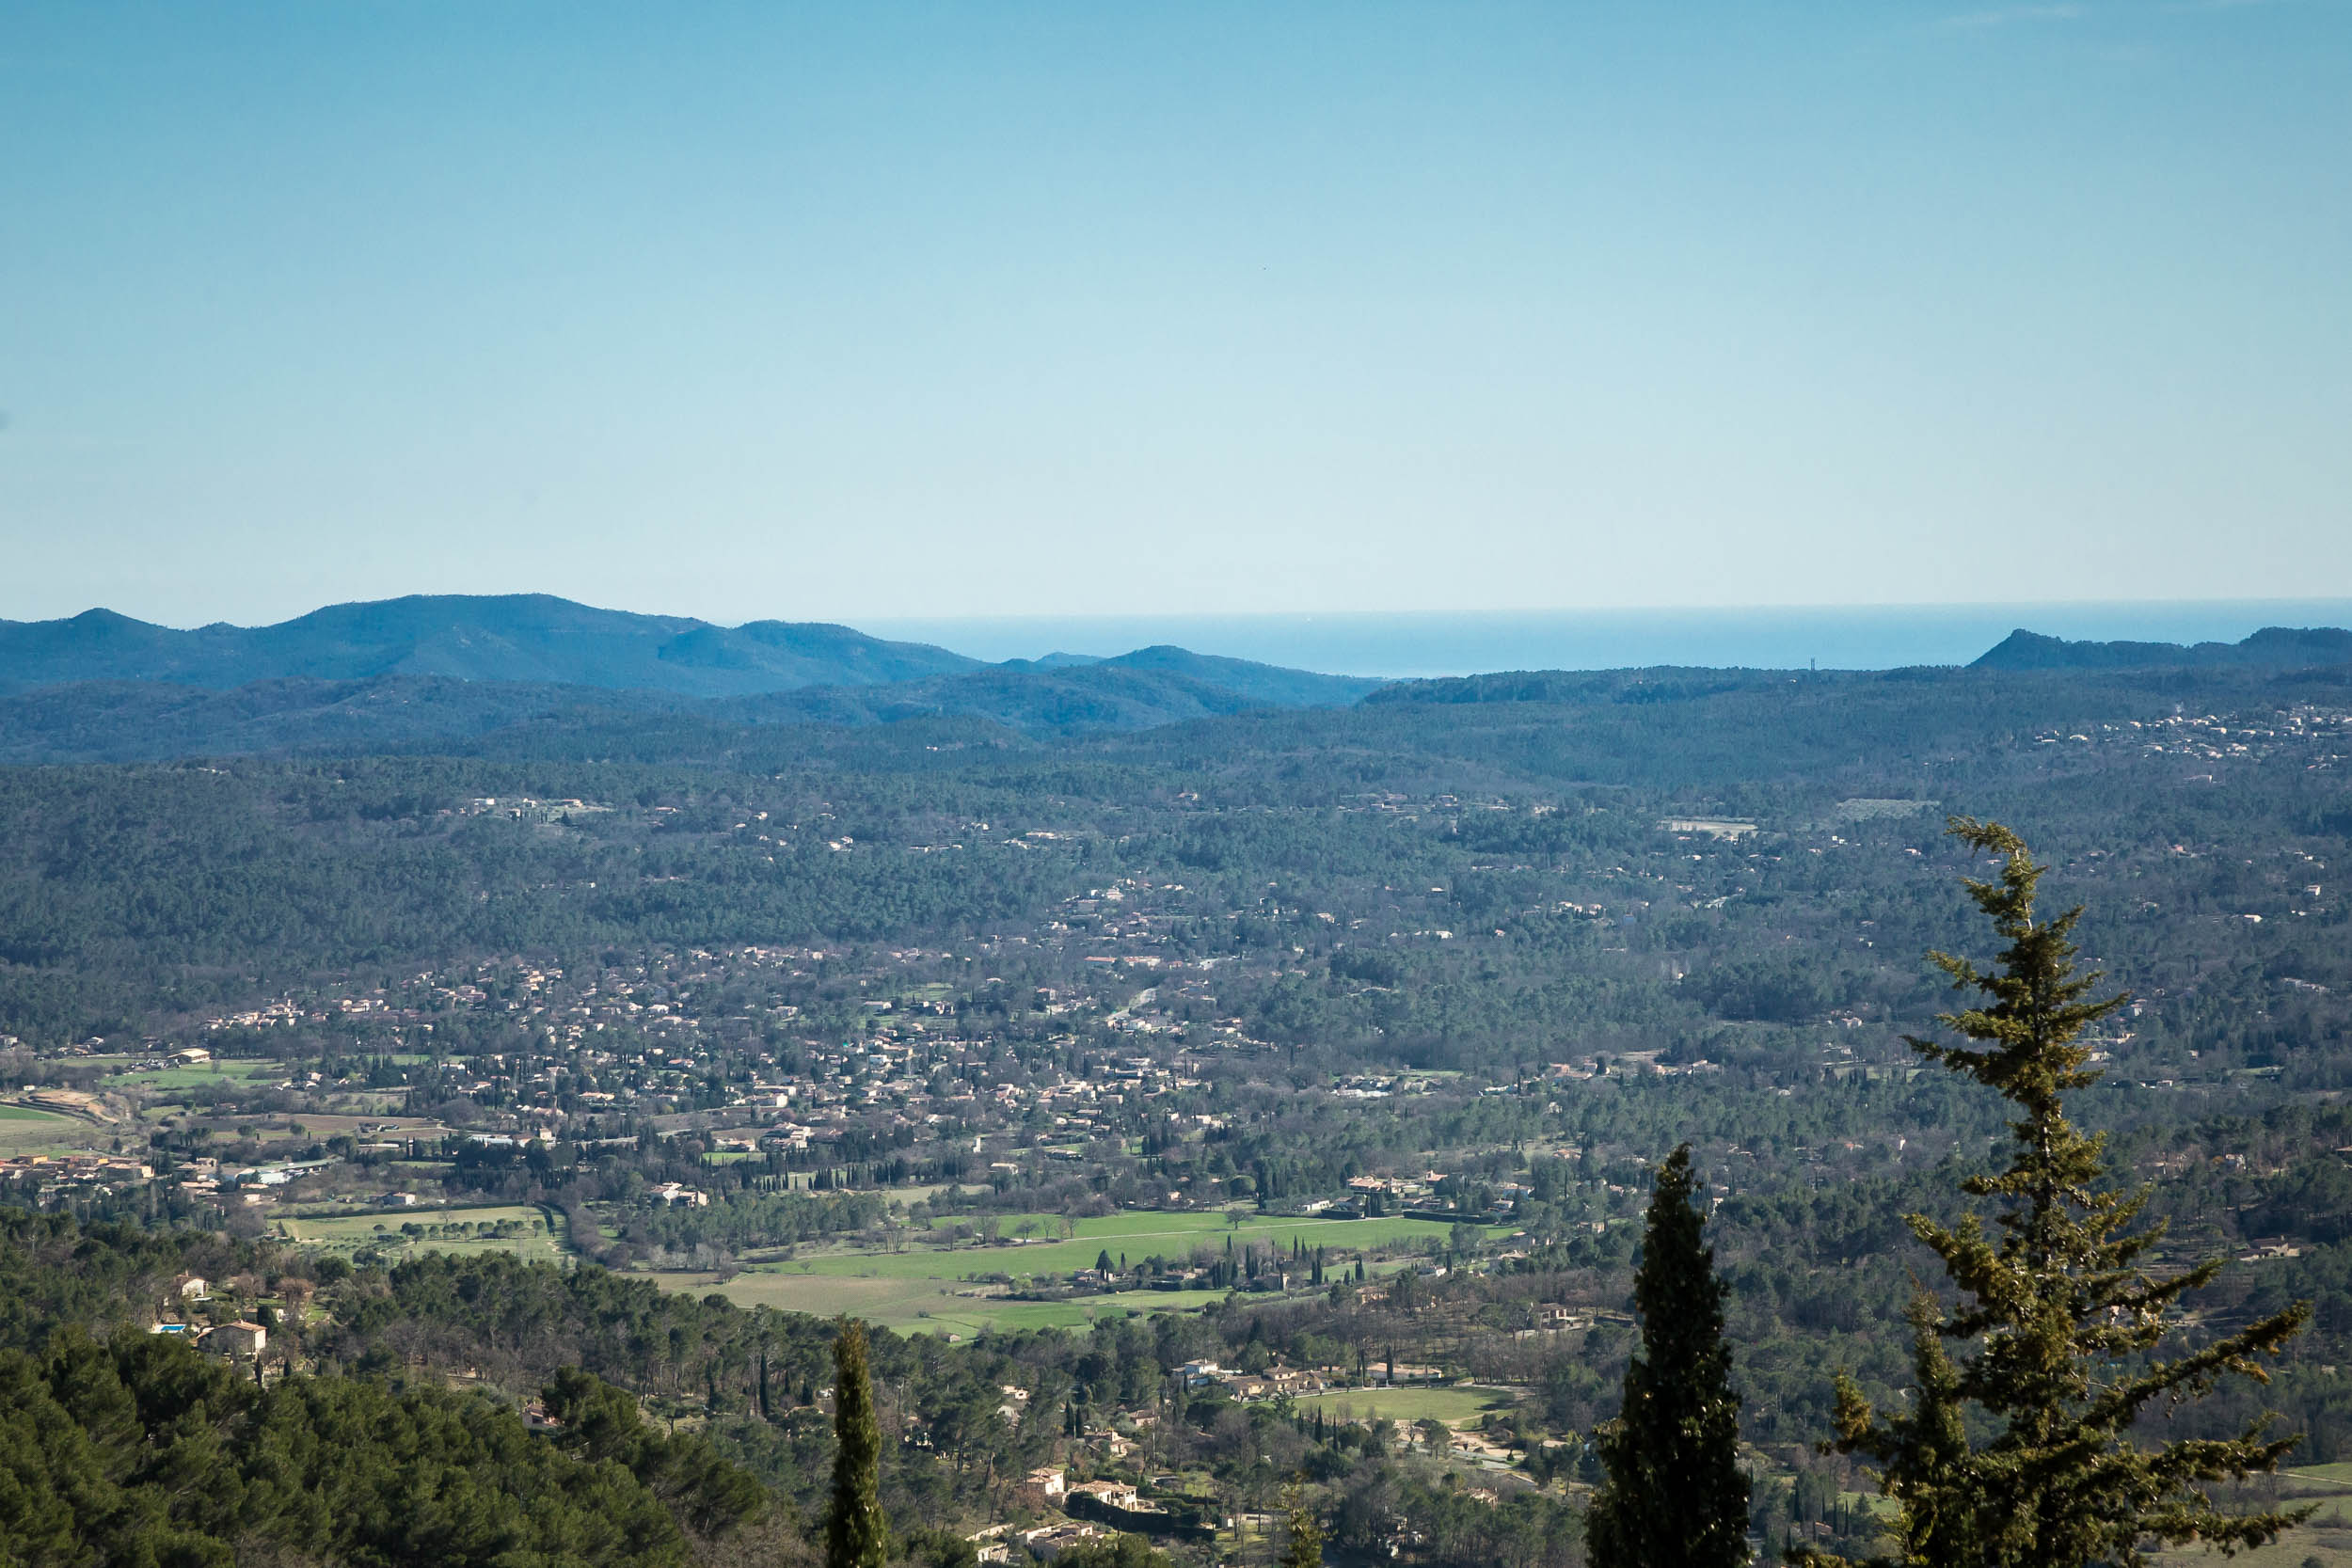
pixel 2270 648
pixel 529 638
pixel 534 641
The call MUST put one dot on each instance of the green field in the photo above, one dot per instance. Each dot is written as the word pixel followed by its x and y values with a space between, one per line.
pixel 26 1130
pixel 190 1077
pixel 924 1306
pixel 2327 1537
pixel 322 1124
pixel 915 1289
pixel 1452 1405
pixel 1139 1235
pixel 348 1233
pixel 2338 1474
pixel 967 1316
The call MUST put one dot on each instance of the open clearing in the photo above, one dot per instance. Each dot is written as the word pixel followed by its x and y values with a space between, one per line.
pixel 1138 1236
pixel 318 1124
pixel 26 1130
pixel 915 1289
pixel 925 1306
pixel 2326 1539
pixel 968 1316
pixel 348 1233
pixel 192 1077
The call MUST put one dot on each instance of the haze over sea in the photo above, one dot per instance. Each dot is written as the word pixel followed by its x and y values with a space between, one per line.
pixel 1399 647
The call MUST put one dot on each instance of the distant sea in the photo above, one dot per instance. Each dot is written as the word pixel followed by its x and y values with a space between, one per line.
pixel 1878 637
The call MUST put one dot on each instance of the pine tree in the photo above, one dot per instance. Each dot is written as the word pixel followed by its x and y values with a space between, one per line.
pixel 856 1535
pixel 2059 1326
pixel 1304 1549
pixel 1674 1495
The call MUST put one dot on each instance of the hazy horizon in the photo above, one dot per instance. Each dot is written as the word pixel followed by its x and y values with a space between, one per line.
pixel 1416 644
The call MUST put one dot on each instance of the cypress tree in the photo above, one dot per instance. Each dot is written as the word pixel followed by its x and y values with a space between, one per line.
pixel 855 1533
pixel 1673 1496
pixel 2059 1325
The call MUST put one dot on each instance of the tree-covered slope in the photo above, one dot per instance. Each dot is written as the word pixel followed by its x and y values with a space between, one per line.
pixel 532 637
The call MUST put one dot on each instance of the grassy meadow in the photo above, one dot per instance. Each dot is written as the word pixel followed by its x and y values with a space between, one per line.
pixel 350 1233
pixel 924 1306
pixel 914 1286
pixel 195 1077
pixel 26 1130
pixel 1137 1235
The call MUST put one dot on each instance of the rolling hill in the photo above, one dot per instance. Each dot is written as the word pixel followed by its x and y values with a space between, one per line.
pixel 530 638
pixel 2271 648
pixel 419 674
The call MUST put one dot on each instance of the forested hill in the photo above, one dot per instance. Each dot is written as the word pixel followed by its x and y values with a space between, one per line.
pixel 433 672
pixel 524 637
pixel 122 1447
pixel 535 640
pixel 2271 648
pixel 1183 994
pixel 155 720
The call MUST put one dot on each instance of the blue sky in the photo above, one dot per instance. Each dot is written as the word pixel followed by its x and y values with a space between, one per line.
pixel 877 310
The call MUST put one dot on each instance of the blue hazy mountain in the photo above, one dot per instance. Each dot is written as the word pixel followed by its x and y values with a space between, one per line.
pixel 2271 648
pixel 538 640
pixel 530 638
pixel 425 670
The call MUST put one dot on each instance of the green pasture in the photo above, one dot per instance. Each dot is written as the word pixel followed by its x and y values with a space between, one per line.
pixel 26 1130
pixel 923 1305
pixel 1139 1235
pixel 893 1302
pixel 191 1077
pixel 329 1124
pixel 967 1315
pixel 348 1233
pixel 914 1288
pixel 2326 1539
pixel 2338 1474
pixel 1453 1407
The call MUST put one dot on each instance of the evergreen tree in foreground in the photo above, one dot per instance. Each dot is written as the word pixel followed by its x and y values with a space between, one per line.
pixel 1304 1548
pixel 855 1533
pixel 1673 1497
pixel 2060 1323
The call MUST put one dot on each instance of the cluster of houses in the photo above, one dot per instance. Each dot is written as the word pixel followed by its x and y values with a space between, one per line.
pixel 1050 1487
pixel 252 1185
pixel 1274 1382
pixel 51 1177
pixel 1077 1512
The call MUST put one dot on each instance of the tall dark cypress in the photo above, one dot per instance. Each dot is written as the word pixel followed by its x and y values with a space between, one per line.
pixel 1674 1495
pixel 856 1535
